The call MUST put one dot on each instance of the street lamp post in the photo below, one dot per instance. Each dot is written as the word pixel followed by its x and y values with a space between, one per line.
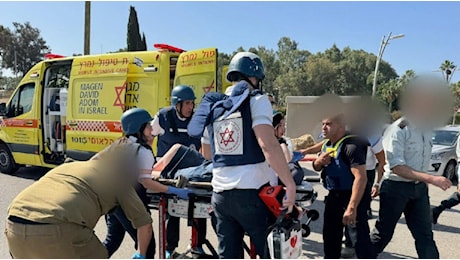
pixel 383 44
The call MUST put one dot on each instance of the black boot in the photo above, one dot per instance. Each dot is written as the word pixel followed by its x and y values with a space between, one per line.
pixel 452 201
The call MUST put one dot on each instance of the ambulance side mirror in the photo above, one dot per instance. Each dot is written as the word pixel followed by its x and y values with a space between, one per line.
pixel 3 109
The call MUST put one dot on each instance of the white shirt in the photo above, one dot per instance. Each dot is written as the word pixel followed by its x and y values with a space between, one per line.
pixel 156 127
pixel 251 176
pixel 145 158
pixel 371 160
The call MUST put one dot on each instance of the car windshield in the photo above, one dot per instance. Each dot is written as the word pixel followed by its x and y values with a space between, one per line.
pixel 444 137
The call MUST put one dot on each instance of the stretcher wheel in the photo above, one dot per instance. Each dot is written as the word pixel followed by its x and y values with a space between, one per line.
pixel 305 230
pixel 313 214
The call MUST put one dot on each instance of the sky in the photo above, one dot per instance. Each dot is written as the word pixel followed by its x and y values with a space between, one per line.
pixel 430 28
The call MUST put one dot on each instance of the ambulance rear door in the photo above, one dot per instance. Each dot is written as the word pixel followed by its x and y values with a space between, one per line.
pixel 197 69
pixel 225 82
pixel 95 103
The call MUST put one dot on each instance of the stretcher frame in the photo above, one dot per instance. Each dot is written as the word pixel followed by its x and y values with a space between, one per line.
pixel 307 216
pixel 163 210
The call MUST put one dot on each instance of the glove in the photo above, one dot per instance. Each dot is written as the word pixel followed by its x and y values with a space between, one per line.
pixel 137 255
pixel 181 193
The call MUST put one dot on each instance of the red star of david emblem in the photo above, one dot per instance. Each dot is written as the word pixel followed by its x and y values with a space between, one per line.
pixel 208 88
pixel 227 137
pixel 118 102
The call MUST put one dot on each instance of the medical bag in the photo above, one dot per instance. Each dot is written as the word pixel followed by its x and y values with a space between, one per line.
pixel 285 238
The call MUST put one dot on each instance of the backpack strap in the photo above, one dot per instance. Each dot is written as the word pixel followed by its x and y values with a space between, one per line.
pixel 203 114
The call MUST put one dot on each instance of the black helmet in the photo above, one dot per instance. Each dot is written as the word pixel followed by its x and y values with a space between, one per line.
pixel 247 64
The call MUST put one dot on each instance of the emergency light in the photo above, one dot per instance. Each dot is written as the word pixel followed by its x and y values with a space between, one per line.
pixel 163 46
pixel 53 56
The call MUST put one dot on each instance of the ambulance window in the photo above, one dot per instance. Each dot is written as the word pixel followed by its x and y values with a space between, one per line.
pixel 22 101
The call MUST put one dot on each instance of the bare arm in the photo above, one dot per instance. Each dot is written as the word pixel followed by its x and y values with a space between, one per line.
pixel 323 160
pixel 206 151
pixel 408 173
pixel 357 191
pixel 316 148
pixel 153 185
pixel 273 153
pixel 286 152
pixel 144 235
pixel 381 162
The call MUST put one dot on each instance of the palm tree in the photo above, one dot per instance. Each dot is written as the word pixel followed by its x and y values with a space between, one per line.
pixel 390 91
pixel 447 69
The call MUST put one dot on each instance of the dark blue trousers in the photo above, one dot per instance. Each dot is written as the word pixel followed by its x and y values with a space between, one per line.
pixel 239 212
pixel 117 225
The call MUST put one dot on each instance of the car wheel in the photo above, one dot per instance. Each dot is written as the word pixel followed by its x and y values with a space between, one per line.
pixel 7 164
pixel 449 172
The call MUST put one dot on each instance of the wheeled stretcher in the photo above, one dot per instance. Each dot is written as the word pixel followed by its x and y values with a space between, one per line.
pixel 199 206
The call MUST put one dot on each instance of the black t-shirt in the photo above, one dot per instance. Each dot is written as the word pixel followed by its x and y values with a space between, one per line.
pixel 354 151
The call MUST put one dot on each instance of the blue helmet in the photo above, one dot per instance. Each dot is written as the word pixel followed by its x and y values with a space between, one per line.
pixel 181 93
pixel 246 63
pixel 133 119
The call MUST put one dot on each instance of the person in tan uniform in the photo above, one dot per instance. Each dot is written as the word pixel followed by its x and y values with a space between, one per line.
pixel 55 216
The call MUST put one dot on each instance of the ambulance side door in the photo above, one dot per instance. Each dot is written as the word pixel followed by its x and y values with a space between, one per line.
pixel 197 69
pixel 21 124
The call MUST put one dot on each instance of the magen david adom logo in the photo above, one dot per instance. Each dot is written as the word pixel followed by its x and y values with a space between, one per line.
pixel 228 137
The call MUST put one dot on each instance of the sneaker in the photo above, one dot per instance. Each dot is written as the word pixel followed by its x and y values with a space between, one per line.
pixel 169 254
pixel 198 251
pixel 347 252
pixel 435 214
pixel 369 214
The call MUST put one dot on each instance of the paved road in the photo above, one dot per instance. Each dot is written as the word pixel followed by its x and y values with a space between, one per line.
pixel 447 232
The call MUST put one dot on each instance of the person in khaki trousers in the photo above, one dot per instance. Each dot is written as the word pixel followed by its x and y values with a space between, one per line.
pixel 55 216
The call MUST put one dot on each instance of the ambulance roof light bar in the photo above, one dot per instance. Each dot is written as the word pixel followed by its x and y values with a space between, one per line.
pixel 163 46
pixel 53 56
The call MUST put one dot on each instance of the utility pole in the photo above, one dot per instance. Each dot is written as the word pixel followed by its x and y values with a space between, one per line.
pixel 15 62
pixel 86 50
pixel 383 44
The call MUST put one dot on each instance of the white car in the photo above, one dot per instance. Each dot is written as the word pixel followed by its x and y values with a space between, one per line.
pixel 443 155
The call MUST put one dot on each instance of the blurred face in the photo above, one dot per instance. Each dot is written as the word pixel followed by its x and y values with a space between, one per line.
pixel 185 108
pixel 427 102
pixel 280 129
pixel 148 134
pixel 332 129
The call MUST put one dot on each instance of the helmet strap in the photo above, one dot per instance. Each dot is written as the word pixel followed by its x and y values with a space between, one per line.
pixel 181 104
pixel 258 84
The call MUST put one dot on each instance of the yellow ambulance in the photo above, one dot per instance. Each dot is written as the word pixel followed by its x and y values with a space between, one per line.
pixel 71 106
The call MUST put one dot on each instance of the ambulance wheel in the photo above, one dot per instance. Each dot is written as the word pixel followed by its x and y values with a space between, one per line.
pixel 305 230
pixel 7 164
pixel 313 214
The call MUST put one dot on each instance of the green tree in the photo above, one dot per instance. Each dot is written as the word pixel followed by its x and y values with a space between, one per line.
pixel 292 76
pixel 323 75
pixel 134 39
pixel 144 42
pixel 344 72
pixel 390 91
pixel 357 68
pixel 6 38
pixel 447 69
pixel 456 91
pixel 223 59
pixel 26 48
pixel 271 66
